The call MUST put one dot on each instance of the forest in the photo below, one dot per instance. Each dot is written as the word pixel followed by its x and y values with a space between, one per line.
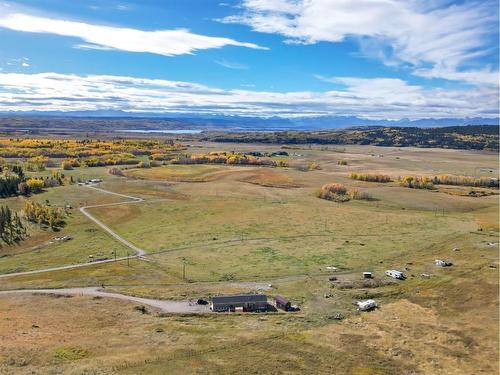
pixel 476 137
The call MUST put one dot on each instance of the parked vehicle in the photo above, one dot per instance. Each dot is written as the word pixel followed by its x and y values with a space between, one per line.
pixel 442 263
pixel 395 274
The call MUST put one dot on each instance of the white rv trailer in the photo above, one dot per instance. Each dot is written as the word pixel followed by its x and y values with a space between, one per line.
pixel 442 263
pixel 395 274
pixel 366 305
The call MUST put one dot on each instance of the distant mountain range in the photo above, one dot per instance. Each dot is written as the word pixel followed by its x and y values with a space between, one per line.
pixel 119 120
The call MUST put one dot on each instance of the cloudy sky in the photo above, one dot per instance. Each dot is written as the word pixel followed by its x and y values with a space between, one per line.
pixel 368 58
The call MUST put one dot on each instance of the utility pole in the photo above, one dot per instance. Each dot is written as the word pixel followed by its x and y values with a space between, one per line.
pixel 184 269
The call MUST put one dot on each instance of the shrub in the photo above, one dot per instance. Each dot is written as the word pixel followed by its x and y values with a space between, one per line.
pixel 370 177
pixel 314 166
pixel 342 162
pixel 360 195
pixel 35 185
pixel 487 182
pixel 142 309
pixel 335 188
pixel 70 353
pixel 144 164
pixel 161 157
pixel 227 277
pixel 416 182
pixel 334 192
pixel 66 166
pixel 44 215
pixel 23 188
pixel 115 171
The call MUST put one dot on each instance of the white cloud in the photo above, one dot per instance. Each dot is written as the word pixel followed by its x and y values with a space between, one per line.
pixel 161 42
pixel 123 7
pixel 370 98
pixel 437 38
pixel 231 64
pixel 91 47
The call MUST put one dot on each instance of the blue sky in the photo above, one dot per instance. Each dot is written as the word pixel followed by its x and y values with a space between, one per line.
pixel 367 58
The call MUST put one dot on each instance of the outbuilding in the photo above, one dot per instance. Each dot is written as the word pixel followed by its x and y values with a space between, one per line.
pixel 242 302
pixel 282 303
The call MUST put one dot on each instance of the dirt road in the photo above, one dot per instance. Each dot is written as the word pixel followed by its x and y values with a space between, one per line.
pixel 167 306
pixel 139 253
pixel 137 250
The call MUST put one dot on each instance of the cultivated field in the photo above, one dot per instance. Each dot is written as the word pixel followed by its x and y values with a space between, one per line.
pixel 214 229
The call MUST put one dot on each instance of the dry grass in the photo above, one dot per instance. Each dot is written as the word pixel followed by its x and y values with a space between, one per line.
pixel 245 223
pixel 270 178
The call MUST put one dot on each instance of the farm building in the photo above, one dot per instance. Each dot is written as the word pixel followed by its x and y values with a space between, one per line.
pixel 244 302
pixel 395 274
pixel 282 303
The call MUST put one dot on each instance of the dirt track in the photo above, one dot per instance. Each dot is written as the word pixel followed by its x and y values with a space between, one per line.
pixel 139 253
pixel 167 306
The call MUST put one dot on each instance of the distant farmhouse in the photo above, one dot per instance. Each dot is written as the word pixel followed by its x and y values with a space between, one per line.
pixel 244 302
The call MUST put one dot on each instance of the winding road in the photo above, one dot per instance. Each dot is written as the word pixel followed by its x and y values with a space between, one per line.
pixel 139 253
pixel 164 305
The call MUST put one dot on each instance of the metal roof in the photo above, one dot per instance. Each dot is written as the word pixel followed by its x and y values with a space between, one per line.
pixel 240 298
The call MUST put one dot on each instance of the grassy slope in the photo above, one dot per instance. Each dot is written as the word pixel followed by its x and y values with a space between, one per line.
pixel 445 324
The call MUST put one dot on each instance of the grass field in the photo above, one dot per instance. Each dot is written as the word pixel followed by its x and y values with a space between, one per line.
pixel 235 228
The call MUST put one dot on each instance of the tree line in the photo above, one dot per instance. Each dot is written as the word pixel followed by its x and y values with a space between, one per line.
pixel 223 157
pixel 44 215
pixel 14 182
pixel 370 177
pixel 428 182
pixel 477 137
pixel 12 228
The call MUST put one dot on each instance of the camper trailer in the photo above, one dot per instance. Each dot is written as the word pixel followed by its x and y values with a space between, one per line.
pixel 366 305
pixel 395 274
pixel 442 263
